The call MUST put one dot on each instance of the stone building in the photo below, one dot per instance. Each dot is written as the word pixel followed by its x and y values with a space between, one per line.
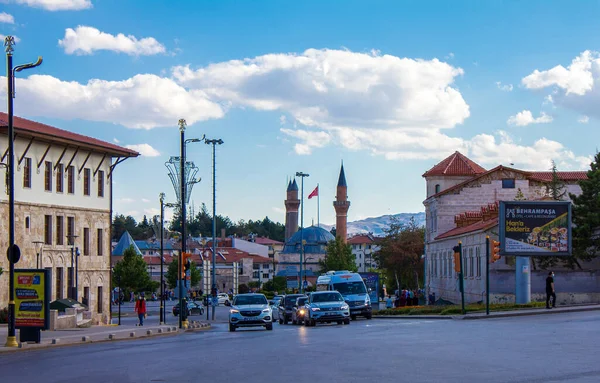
pixel 364 247
pixel 63 200
pixel 462 205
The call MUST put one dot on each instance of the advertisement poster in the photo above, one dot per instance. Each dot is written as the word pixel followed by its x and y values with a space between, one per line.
pixel 371 282
pixel 535 228
pixel 32 299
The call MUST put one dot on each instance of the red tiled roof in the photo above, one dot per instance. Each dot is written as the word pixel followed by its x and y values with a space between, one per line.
pixel 477 226
pixel 455 165
pixel 267 241
pixel 24 127
pixel 563 176
pixel 360 239
pixel 535 176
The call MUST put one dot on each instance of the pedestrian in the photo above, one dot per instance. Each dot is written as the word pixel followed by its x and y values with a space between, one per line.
pixel 140 309
pixel 550 290
pixel 389 303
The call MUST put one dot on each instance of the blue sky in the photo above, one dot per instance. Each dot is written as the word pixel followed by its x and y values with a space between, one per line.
pixel 389 87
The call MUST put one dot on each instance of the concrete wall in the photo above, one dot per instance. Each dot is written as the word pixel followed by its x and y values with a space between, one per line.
pixel 250 247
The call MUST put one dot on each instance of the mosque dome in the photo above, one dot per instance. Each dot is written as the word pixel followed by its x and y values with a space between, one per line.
pixel 316 240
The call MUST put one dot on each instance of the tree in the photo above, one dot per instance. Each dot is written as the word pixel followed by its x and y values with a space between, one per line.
pixel 172 271
pixel 276 284
pixel 339 257
pixel 556 188
pixel 243 289
pixel 132 272
pixel 586 216
pixel 401 251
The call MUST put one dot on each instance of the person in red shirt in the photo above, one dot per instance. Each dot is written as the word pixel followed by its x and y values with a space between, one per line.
pixel 140 309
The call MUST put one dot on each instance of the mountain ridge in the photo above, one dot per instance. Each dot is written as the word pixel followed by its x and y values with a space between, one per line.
pixel 378 225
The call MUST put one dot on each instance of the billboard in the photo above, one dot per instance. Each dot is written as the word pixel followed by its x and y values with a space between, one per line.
pixel 533 228
pixel 371 282
pixel 32 298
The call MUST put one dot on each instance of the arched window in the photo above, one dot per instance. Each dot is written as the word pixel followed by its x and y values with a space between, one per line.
pixel 437 188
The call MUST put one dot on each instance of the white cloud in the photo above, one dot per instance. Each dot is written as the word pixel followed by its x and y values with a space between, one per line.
pixel 6 18
pixel 144 149
pixel 85 40
pixel 484 149
pixel 126 200
pixel 279 210
pixel 338 93
pixel 505 87
pixel 116 140
pixel 449 56
pixel 144 101
pixel 525 118
pixel 145 200
pixel 151 212
pixel 282 120
pixel 576 87
pixel 17 40
pixel 583 120
pixel 56 5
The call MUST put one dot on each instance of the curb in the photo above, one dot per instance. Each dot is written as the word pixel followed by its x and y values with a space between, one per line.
pixel 438 317
pixel 518 314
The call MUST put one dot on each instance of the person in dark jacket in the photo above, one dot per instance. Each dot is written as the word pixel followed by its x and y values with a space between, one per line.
pixel 550 293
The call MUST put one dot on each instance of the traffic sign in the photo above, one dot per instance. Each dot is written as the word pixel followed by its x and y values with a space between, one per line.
pixel 305 284
pixel 16 253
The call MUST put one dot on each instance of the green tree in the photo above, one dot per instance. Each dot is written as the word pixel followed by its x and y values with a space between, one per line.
pixel 401 251
pixel 276 284
pixel 556 188
pixel 338 257
pixel 132 272
pixel 172 270
pixel 586 217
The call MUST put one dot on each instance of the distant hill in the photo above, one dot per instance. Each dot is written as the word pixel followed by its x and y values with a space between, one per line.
pixel 378 225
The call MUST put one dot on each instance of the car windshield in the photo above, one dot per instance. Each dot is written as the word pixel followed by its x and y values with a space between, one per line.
pixel 348 288
pixel 327 297
pixel 302 301
pixel 289 301
pixel 250 300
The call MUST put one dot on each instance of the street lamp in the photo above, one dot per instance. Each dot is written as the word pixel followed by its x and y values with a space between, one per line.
pixel 305 260
pixel 302 175
pixel 72 290
pixel 163 204
pixel 214 143
pixel 9 41
pixel 39 247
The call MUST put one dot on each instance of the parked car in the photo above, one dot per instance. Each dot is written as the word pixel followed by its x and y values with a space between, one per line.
pixel 223 299
pixel 194 308
pixel 326 306
pixel 250 310
pixel 274 303
pixel 299 310
pixel 286 306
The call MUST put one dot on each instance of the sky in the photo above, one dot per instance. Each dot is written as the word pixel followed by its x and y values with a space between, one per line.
pixel 388 87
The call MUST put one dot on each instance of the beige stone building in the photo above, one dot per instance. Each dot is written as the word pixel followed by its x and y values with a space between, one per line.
pixel 63 201
pixel 462 205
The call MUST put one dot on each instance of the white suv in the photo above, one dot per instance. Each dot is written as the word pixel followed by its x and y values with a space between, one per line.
pixel 250 310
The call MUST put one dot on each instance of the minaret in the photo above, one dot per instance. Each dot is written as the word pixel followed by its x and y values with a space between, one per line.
pixel 291 210
pixel 341 205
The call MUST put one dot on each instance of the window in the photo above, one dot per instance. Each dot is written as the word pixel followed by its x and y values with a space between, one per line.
pixel 86 181
pixel 471 262
pixel 255 266
pixel 86 296
pixel 71 179
pixel 59 283
pixel 69 281
pixel 478 272
pixel 86 241
pixel 27 224
pixel 71 230
pixel 99 297
pixel 48 229
pixel 265 275
pixel 437 188
pixel 48 176
pixel 100 183
pixel 60 230
pixel 60 174
pixel 508 183
pixel 100 242
pixel 27 173
pixel 256 274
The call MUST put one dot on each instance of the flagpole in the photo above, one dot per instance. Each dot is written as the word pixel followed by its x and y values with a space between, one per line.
pixel 318 206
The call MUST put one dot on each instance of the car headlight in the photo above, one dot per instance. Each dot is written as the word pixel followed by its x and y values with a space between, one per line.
pixel 345 307
pixel 315 309
pixel 367 302
pixel 233 311
pixel 301 311
pixel 266 310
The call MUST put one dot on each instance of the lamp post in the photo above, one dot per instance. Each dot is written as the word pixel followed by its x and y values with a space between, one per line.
pixel 214 143
pixel 302 175
pixel 9 41
pixel 39 247
pixel 72 290
pixel 161 197
pixel 306 260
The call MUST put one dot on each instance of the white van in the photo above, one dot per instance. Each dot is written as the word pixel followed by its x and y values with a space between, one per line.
pixel 353 289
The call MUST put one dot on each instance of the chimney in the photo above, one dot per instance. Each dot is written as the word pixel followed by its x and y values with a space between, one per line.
pixel 223 234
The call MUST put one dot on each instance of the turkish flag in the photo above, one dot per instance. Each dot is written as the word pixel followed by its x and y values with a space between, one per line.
pixel 314 193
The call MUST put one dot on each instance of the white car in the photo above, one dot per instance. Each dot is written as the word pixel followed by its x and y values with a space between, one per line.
pixel 223 299
pixel 250 310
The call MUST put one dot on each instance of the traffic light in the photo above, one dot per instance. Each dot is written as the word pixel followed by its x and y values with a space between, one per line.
pixel 187 263
pixel 495 256
pixel 456 258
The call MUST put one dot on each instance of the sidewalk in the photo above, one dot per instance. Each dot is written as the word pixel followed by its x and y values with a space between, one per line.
pixel 498 314
pixel 97 334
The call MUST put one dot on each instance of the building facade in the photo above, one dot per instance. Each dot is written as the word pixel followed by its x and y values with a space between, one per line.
pixel 364 247
pixel 63 202
pixel 462 205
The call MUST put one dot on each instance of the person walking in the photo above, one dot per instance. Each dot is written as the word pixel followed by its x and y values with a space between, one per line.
pixel 550 292
pixel 140 309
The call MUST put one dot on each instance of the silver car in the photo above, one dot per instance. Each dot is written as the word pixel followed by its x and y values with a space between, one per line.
pixel 250 310
pixel 326 306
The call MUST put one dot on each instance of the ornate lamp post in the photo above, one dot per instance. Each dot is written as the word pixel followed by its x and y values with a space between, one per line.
pixel 39 247
pixel 213 291
pixel 303 175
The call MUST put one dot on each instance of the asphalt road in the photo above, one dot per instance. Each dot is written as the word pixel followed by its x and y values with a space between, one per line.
pixel 545 348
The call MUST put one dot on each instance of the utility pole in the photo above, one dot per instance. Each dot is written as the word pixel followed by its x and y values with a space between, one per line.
pixel 302 175
pixel 214 142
